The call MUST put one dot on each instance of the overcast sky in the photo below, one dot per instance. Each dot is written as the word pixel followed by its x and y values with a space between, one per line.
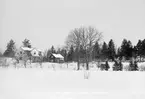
pixel 48 22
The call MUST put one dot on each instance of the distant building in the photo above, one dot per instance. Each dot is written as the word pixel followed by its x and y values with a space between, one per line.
pixel 22 52
pixel 26 52
pixel 26 49
pixel 56 58
pixel 36 55
pixel 36 52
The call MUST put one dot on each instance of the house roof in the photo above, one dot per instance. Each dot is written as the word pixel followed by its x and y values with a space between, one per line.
pixel 30 49
pixel 57 55
pixel 26 48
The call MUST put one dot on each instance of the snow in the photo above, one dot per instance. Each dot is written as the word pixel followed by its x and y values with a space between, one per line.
pixel 58 55
pixel 26 48
pixel 64 82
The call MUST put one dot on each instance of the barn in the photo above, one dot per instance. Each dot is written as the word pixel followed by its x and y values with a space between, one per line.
pixel 58 58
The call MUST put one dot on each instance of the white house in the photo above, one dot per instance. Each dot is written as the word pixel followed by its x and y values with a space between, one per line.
pixel 24 51
pixel 36 52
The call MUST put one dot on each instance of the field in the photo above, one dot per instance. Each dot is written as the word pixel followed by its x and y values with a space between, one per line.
pixel 64 82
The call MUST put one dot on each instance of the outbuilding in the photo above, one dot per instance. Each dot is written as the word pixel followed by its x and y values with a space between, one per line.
pixel 56 58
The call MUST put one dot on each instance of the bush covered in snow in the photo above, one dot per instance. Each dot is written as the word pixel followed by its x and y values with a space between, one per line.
pixel 142 68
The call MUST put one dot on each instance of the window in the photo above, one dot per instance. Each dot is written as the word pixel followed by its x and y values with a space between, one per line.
pixel 20 52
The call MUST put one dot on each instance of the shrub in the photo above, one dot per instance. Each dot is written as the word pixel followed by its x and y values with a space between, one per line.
pixel 126 68
pixel 142 68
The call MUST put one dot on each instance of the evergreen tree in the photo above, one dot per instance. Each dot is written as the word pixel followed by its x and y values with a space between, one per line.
pixel 118 54
pixel 115 66
pixel 26 43
pixel 143 48
pixel 53 49
pixel 10 51
pixel 104 51
pixel 135 66
pixel 131 65
pixel 129 49
pixel 139 48
pixel 107 66
pixel 126 49
pixel 120 66
pixel 134 52
pixel 123 48
pixel 111 50
pixel 96 51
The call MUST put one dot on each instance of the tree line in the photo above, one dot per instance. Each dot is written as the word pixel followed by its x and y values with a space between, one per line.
pixel 109 51
pixel 83 45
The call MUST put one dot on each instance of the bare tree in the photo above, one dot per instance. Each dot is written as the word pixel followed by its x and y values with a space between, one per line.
pixel 74 39
pixel 85 37
pixel 45 56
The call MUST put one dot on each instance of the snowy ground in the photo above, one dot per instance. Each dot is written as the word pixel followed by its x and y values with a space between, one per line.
pixel 62 81
pixel 46 83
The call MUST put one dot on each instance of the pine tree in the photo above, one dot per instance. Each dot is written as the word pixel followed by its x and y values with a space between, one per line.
pixel 129 49
pixel 119 53
pixel 139 48
pixel 123 47
pixel 143 48
pixel 10 51
pixel 107 66
pixel 135 66
pixel 126 49
pixel 104 51
pixel 53 49
pixel 26 43
pixel 111 50
pixel 134 52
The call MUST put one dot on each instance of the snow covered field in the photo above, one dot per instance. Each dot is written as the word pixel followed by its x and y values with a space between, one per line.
pixel 62 81
pixel 66 83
